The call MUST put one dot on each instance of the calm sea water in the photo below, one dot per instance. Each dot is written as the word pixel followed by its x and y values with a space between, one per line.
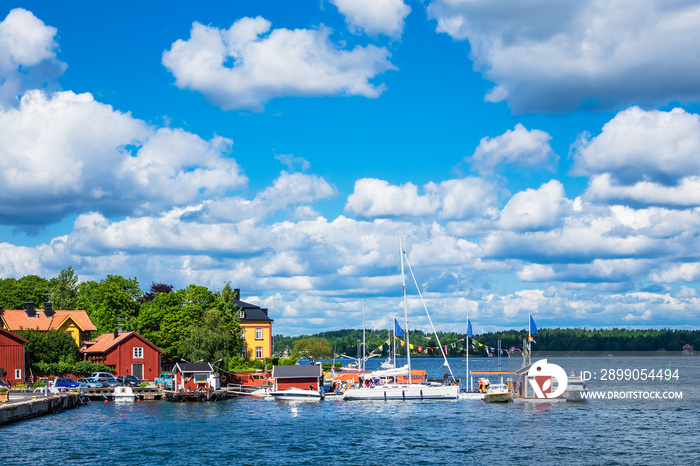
pixel 257 431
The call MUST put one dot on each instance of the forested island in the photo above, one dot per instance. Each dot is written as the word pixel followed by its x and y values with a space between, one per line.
pixel 555 339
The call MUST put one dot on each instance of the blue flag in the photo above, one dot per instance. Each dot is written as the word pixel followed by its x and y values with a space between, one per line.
pixel 469 328
pixel 533 327
pixel 397 330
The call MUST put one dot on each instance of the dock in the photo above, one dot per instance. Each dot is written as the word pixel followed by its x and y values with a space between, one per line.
pixel 197 395
pixel 24 405
pixel 142 393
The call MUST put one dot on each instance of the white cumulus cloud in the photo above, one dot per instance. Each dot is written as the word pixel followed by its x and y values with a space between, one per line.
pixel 246 65
pixel 65 153
pixel 375 16
pixel 449 200
pixel 540 209
pixel 27 54
pixel 639 145
pixel 515 147
pixel 557 56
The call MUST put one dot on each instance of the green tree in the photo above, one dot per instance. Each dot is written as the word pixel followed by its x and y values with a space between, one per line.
pixel 212 339
pixel 168 319
pixel 15 293
pixel 9 294
pixel 49 347
pixel 112 303
pixel 312 347
pixel 64 290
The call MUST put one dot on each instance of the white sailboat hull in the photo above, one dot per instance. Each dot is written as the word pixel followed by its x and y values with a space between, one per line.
pixel 403 392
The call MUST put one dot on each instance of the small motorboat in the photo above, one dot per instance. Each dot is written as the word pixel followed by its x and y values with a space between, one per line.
pixel 497 393
pixel 123 395
pixel 296 394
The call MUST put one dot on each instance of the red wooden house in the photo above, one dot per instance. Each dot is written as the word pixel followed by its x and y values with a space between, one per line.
pixel 11 357
pixel 129 353
pixel 195 376
pixel 305 377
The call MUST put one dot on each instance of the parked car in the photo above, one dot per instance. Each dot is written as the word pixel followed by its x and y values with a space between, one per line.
pixel 105 378
pixel 4 384
pixel 65 382
pixel 165 380
pixel 130 380
pixel 89 382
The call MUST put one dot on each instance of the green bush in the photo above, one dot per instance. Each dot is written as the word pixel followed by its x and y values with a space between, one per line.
pixel 326 366
pixel 287 362
pixel 79 368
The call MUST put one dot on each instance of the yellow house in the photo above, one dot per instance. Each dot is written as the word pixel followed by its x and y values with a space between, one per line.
pixel 76 323
pixel 257 329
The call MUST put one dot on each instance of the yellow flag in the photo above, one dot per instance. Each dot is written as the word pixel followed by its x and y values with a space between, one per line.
pixel 410 346
pixel 403 343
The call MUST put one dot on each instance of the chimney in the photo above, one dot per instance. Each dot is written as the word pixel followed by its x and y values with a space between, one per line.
pixel 48 309
pixel 29 309
pixel 237 293
pixel 116 334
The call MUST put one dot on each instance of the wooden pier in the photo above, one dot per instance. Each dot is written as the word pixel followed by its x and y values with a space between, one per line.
pixel 197 395
pixel 107 393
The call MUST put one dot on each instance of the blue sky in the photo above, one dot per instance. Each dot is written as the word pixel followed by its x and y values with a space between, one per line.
pixel 538 157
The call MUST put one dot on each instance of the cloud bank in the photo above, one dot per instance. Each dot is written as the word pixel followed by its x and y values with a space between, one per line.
pixel 552 56
pixel 247 65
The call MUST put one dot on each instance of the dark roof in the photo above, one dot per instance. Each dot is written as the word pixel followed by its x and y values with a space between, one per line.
pixel 194 367
pixel 287 372
pixel 253 312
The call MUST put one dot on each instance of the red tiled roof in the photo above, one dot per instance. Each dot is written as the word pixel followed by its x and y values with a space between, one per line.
pixel 17 319
pixel 105 342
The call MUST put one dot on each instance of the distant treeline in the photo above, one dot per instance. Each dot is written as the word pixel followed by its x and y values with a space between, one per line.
pixel 555 339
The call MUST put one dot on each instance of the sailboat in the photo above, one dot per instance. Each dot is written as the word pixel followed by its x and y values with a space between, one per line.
pixel 403 391
pixel 469 393
pixel 388 363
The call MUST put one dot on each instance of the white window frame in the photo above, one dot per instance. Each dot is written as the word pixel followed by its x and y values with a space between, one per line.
pixel 18 374
pixel 258 352
pixel 258 333
pixel 245 352
pixel 138 352
pixel 241 314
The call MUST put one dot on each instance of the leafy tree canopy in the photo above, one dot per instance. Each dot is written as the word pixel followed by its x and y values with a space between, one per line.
pixel 64 290
pixel 213 339
pixel 50 347
pixel 313 347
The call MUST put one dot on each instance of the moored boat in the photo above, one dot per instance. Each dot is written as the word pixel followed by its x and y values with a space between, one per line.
pixel 296 394
pixel 123 395
pixel 497 393
pixel 403 391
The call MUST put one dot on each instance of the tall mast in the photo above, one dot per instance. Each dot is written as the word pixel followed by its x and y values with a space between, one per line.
pixel 393 332
pixel 467 388
pixel 420 295
pixel 529 338
pixel 363 334
pixel 405 311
